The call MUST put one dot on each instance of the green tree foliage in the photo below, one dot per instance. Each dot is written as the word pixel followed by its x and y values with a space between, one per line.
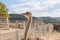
pixel 4 13
pixel 3 10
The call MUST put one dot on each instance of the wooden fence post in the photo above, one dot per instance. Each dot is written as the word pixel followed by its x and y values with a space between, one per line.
pixel 0 33
pixel 24 24
pixel 17 32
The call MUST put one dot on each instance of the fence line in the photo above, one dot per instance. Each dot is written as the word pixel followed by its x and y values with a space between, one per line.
pixel 38 26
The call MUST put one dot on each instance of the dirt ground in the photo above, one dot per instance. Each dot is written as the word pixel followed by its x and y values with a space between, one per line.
pixel 51 36
pixel 33 35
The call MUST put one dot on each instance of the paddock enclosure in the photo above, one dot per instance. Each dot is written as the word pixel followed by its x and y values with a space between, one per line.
pixel 17 29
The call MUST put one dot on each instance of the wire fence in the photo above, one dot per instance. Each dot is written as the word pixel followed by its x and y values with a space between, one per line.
pixel 37 29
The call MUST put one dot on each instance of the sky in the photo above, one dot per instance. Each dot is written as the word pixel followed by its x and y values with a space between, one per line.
pixel 36 7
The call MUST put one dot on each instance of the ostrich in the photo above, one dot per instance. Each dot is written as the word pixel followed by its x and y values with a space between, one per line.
pixel 28 15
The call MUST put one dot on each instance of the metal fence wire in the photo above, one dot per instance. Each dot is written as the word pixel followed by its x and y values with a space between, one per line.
pixel 18 33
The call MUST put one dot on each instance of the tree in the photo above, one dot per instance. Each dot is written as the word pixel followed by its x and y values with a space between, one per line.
pixel 4 12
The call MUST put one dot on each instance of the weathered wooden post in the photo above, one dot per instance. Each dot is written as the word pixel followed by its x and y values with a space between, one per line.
pixel 8 23
pixel 17 32
pixel 50 27
pixel 45 29
pixel 35 24
pixel 24 24
pixel 0 33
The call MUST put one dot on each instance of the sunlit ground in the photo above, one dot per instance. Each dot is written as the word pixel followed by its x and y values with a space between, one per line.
pixel 33 34
pixel 51 36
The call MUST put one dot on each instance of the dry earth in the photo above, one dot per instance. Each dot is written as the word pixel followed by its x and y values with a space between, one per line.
pixel 32 34
pixel 51 36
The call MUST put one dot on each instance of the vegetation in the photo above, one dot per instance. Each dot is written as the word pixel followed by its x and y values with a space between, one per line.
pixel 4 12
pixel 50 19
pixel 17 17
